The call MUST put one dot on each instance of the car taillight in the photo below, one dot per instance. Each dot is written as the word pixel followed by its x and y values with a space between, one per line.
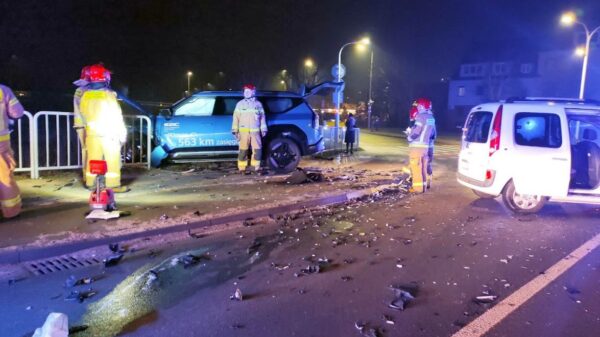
pixel 496 131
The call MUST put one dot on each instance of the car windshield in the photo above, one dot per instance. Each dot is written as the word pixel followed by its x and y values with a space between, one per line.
pixel 195 106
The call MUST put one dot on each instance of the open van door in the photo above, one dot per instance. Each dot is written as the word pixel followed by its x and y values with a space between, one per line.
pixel 542 150
pixel 322 89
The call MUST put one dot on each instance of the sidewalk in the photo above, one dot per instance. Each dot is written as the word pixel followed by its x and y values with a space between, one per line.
pixel 55 206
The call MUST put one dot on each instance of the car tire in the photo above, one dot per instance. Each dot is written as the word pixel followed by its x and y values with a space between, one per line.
pixel 521 204
pixel 283 155
pixel 483 195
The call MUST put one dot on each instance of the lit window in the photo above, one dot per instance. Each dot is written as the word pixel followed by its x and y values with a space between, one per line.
pixel 461 91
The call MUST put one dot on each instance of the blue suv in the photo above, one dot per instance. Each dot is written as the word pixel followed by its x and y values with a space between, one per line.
pixel 198 128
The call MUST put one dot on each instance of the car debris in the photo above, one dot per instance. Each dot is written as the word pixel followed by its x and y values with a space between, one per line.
pixel 190 260
pixel 73 281
pixel 77 328
pixel 403 296
pixel 237 295
pixel 485 299
pixel 80 296
pixel 388 319
pixel 113 260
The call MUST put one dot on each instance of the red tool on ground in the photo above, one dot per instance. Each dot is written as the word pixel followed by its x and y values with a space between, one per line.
pixel 102 198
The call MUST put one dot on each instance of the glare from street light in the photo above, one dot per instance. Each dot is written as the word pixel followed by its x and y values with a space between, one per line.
pixel 361 47
pixel 580 51
pixel 568 19
pixel 365 41
pixel 309 63
pixel 189 73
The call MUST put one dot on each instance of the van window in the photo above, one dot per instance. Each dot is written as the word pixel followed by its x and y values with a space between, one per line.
pixel 538 129
pixel 478 127
pixel 226 105
pixel 195 106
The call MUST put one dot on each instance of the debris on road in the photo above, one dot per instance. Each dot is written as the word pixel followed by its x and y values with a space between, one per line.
pixel 388 319
pixel 80 296
pixel 73 281
pixel 56 325
pixel 113 260
pixel 403 296
pixel 237 295
pixel 190 260
pixel 485 299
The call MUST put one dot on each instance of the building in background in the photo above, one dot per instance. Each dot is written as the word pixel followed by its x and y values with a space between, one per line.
pixel 543 74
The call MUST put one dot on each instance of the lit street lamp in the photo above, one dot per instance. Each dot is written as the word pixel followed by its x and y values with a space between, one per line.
pixel 189 77
pixel 365 41
pixel 569 19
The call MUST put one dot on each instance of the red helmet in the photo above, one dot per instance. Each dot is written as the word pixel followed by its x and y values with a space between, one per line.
pixel 85 73
pixel 425 103
pixel 412 113
pixel 249 86
pixel 98 73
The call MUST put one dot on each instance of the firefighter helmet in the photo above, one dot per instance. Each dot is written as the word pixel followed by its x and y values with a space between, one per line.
pixel 84 78
pixel 98 73
pixel 249 86
pixel 424 103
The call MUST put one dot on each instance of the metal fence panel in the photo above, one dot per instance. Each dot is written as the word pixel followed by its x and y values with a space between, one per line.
pixel 21 142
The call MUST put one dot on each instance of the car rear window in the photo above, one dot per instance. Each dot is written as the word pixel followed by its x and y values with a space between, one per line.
pixel 478 127
pixel 538 130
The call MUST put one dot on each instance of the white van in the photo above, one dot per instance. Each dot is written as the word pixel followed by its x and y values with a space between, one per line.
pixel 531 151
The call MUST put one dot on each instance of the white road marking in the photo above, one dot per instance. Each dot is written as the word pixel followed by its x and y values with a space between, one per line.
pixel 484 323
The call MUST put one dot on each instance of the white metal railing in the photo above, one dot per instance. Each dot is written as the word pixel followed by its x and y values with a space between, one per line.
pixel 22 136
pixel 55 145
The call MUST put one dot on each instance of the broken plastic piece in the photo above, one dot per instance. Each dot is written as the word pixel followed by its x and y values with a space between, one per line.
pixel 113 260
pixel 237 295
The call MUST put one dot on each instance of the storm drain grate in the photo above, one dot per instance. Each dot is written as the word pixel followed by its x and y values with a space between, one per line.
pixel 61 263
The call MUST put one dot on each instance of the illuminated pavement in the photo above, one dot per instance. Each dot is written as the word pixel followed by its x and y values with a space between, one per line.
pixel 447 243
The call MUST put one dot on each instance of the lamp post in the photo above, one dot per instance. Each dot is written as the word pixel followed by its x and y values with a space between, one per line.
pixel 189 77
pixel 365 41
pixel 370 103
pixel 569 19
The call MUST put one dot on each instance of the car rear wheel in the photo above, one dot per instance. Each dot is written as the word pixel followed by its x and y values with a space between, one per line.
pixel 483 195
pixel 283 155
pixel 521 203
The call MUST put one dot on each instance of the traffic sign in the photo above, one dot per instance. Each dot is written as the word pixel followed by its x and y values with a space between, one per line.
pixel 334 71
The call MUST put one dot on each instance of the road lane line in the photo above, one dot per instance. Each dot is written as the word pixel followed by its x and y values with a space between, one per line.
pixel 484 323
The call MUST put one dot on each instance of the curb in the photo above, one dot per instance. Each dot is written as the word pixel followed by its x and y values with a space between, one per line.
pixel 24 253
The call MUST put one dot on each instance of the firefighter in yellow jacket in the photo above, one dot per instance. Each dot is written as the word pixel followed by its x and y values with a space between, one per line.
pixel 82 84
pixel 420 141
pixel 10 196
pixel 105 130
pixel 249 127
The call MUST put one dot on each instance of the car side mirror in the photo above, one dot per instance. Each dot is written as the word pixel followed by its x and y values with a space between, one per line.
pixel 166 113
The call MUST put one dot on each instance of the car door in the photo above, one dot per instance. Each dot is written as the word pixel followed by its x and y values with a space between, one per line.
pixel 190 128
pixel 222 120
pixel 474 154
pixel 541 156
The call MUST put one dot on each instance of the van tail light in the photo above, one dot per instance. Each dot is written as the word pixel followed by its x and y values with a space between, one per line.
pixel 496 131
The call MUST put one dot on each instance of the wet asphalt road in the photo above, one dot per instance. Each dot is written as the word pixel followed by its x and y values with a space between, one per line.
pixel 446 247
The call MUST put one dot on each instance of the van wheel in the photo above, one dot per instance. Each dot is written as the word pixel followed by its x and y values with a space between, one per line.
pixel 483 195
pixel 521 203
pixel 283 155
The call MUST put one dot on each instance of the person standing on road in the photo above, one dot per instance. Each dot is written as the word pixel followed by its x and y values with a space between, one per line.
pixel 10 196
pixel 419 142
pixel 412 116
pixel 105 130
pixel 249 127
pixel 81 84
pixel 350 136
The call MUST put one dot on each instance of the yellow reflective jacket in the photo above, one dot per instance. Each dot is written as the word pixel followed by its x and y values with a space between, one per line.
pixel 9 108
pixel 249 116
pixel 101 114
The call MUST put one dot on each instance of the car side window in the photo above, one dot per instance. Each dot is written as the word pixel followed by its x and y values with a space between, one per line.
pixel 195 106
pixel 225 106
pixel 478 127
pixel 538 130
pixel 281 104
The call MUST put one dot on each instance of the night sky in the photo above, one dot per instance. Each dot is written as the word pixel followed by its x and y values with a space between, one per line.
pixel 150 45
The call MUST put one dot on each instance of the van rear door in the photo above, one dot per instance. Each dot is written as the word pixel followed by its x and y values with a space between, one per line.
pixel 474 154
pixel 541 158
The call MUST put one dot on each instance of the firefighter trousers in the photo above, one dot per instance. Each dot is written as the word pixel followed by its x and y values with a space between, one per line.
pixel 249 140
pixel 418 162
pixel 10 196
pixel 108 149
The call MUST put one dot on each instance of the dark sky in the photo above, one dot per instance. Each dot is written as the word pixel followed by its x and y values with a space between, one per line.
pixel 150 45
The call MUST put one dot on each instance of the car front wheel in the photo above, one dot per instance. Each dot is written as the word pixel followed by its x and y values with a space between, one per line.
pixel 283 155
pixel 521 203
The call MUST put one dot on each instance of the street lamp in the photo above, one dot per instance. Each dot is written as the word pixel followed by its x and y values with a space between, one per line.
pixel 569 19
pixel 308 63
pixel 189 77
pixel 364 41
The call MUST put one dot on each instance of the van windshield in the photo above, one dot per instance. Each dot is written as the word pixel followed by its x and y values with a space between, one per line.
pixel 478 127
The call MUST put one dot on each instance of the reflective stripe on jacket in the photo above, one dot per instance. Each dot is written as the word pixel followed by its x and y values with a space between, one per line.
pixel 101 114
pixel 9 108
pixel 249 116
pixel 423 133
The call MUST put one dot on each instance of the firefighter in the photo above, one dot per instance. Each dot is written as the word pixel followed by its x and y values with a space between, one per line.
pixel 412 115
pixel 104 127
pixel 249 127
pixel 81 84
pixel 10 196
pixel 419 141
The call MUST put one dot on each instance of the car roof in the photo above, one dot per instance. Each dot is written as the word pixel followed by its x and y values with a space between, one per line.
pixel 566 103
pixel 239 93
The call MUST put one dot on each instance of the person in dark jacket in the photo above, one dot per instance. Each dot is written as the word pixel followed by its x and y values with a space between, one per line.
pixel 350 137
